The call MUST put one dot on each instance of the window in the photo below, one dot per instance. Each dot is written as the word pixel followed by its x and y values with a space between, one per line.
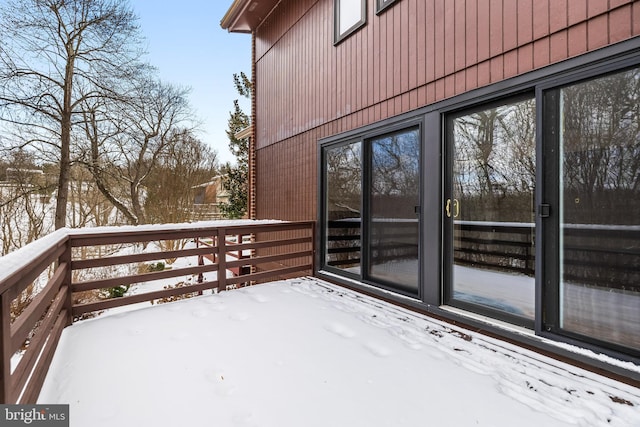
pixel 597 225
pixel 383 4
pixel 349 15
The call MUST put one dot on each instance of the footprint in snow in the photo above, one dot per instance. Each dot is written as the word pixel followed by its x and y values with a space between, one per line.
pixel 340 329
pixel 377 349
pixel 259 298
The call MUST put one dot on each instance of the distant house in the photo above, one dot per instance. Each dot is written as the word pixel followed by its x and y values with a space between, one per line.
pixel 475 159
pixel 208 197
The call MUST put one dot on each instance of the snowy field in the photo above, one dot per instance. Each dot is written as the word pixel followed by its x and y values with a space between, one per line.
pixel 303 352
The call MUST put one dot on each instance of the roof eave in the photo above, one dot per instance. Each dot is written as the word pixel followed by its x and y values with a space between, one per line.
pixel 244 16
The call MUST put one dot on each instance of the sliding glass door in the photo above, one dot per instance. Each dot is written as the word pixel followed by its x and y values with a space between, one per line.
pixel 343 200
pixel 393 226
pixel 599 208
pixel 488 210
pixel 371 228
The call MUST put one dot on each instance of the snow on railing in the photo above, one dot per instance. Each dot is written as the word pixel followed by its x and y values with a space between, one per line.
pixel 32 319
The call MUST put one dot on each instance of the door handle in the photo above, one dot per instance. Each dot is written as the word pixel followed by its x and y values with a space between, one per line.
pixel 456 208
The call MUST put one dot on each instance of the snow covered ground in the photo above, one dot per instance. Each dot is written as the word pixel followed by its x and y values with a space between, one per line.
pixel 304 352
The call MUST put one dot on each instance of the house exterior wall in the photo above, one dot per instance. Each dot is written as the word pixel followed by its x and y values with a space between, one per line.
pixel 413 54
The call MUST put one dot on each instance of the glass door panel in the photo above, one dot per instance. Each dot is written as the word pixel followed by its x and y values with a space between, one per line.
pixel 489 211
pixel 600 209
pixel 393 221
pixel 343 214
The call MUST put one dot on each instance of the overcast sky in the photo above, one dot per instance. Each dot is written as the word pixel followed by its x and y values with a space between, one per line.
pixel 187 45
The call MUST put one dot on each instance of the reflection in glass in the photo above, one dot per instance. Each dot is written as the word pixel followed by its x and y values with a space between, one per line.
pixel 491 208
pixel 343 195
pixel 600 208
pixel 395 182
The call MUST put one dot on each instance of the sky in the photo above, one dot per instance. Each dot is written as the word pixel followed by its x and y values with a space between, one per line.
pixel 189 48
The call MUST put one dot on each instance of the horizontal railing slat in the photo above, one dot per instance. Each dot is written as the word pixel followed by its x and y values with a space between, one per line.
pixel 267 244
pixel 270 274
pixel 42 334
pixel 24 323
pixel 268 258
pixel 142 297
pixel 149 256
pixel 32 390
pixel 145 277
pixel 19 281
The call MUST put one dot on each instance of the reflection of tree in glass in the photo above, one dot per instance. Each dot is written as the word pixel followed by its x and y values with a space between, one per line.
pixel 601 149
pixel 395 164
pixel 343 195
pixel 494 164
pixel 344 179
pixel 600 140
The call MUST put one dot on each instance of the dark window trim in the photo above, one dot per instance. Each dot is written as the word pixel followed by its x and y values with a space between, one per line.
pixel 338 37
pixel 382 5
pixel 366 134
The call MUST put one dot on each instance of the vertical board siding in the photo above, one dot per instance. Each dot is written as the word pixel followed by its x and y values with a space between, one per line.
pixel 414 53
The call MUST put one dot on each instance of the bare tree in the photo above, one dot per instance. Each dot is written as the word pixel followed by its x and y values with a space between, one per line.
pixel 54 56
pixel 186 162
pixel 128 139
pixel 24 201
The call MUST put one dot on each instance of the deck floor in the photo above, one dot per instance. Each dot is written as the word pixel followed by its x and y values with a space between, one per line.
pixel 304 352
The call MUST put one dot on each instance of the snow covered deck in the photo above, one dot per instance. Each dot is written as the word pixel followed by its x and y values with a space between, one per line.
pixel 304 352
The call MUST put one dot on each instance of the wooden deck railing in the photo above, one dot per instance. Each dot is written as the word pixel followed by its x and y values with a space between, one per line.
pixel 62 266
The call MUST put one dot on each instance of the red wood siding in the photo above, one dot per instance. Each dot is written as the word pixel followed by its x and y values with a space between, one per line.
pixel 413 54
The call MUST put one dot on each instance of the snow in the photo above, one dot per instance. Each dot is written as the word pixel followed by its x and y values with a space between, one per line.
pixel 303 352
pixel 13 261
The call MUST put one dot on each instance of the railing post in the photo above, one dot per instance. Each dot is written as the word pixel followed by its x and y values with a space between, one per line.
pixel 65 260
pixel 200 263
pixel 313 249
pixel 222 259
pixel 5 348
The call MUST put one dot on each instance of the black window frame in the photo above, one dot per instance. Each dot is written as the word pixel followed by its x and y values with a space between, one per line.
pixel 322 204
pixel 549 321
pixel 364 136
pixel 366 276
pixel 338 36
